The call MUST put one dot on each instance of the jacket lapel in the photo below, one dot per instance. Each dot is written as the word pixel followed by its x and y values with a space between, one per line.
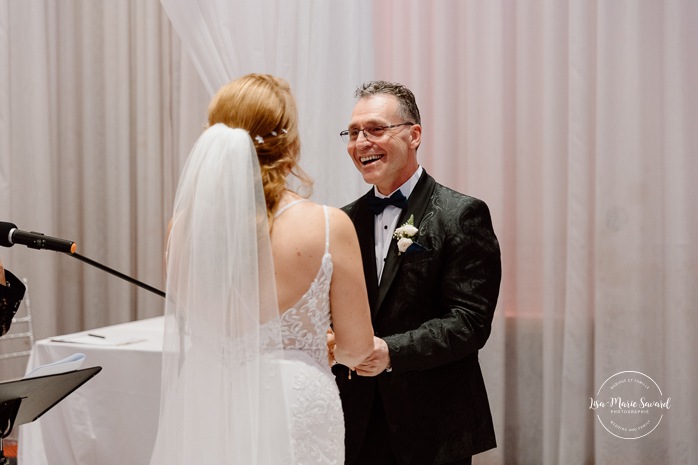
pixel 416 205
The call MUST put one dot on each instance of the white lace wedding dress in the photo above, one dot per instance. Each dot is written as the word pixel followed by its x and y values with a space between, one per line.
pixel 317 422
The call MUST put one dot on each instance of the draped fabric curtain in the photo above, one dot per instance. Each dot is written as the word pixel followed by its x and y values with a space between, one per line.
pixel 87 125
pixel 101 106
pixel 574 120
pixel 323 49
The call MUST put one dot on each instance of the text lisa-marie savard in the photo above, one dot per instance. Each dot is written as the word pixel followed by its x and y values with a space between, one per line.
pixel 619 403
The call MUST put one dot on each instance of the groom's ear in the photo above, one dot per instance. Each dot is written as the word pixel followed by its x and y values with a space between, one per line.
pixel 416 135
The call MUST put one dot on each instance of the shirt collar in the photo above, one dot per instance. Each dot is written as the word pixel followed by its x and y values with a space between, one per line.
pixel 406 188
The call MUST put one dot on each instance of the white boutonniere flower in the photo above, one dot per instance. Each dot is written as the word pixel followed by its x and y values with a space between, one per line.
pixel 404 235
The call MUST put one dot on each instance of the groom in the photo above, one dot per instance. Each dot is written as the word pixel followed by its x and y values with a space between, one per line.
pixel 420 397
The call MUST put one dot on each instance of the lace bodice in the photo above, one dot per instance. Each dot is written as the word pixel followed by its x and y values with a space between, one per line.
pixel 304 326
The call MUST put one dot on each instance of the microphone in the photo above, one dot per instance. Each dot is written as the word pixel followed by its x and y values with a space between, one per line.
pixel 10 235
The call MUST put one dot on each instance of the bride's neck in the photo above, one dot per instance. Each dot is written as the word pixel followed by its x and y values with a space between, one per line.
pixel 287 197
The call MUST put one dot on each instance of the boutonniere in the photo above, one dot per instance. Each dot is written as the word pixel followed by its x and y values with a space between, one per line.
pixel 404 235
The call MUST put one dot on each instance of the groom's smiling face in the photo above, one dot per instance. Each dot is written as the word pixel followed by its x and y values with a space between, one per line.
pixel 390 160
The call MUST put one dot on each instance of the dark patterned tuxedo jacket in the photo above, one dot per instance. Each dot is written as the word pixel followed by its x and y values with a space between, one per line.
pixel 434 308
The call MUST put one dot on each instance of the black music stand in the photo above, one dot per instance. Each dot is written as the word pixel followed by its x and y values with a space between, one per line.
pixel 25 400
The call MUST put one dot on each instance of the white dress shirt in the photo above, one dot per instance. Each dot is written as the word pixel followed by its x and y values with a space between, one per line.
pixel 386 222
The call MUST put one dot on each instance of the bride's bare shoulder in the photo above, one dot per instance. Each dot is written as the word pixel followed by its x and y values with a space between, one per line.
pixel 304 224
pixel 340 224
pixel 298 221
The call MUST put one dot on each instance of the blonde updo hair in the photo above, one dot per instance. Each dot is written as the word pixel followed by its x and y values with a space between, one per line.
pixel 263 105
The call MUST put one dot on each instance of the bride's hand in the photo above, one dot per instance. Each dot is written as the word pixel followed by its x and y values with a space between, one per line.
pixel 330 347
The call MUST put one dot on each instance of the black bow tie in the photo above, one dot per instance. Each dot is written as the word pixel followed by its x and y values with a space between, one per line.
pixel 378 205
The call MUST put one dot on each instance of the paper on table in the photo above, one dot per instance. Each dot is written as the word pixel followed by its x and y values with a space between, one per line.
pixel 65 365
pixel 97 339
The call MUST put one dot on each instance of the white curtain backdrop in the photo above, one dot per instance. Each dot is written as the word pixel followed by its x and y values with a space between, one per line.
pixel 575 120
pixel 86 123
pixel 100 107
pixel 323 49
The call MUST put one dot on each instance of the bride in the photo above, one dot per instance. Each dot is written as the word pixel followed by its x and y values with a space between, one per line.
pixel 256 274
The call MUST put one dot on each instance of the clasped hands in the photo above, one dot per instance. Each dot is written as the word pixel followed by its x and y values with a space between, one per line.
pixel 373 365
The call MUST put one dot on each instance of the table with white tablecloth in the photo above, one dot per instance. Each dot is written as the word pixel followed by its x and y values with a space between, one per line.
pixel 111 419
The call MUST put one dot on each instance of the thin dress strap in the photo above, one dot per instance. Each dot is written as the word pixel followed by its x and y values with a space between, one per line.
pixel 327 229
pixel 287 206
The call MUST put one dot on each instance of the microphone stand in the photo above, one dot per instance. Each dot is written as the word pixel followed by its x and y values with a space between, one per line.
pixel 115 273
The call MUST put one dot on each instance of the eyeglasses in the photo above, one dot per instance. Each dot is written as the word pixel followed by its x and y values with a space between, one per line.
pixel 373 133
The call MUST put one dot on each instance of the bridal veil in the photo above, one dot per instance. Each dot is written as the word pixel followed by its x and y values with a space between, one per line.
pixel 222 394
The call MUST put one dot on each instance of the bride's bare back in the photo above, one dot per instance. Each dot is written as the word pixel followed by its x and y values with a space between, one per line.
pixel 298 245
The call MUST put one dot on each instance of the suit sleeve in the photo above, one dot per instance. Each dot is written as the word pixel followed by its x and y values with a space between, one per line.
pixel 466 298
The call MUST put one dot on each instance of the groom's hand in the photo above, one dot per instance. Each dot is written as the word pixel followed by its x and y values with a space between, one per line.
pixel 377 362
